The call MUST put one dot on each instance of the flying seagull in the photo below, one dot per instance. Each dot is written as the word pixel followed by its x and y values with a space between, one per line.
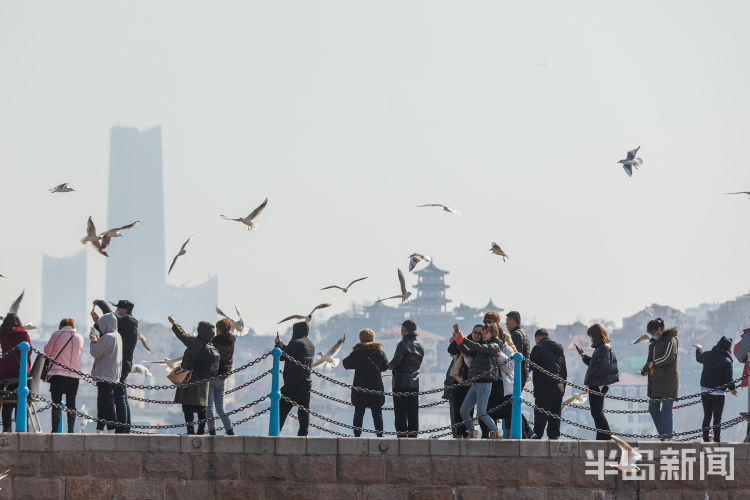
pixel 169 364
pixel 238 325
pixel 495 248
pixel 181 252
pixel 444 207
pixel 631 161
pixel 140 369
pixel 741 192
pixel 404 294
pixel 248 221
pixel 143 341
pixel 344 289
pixel 92 238
pixel 62 188
pixel 327 359
pixel 115 231
pixel 29 326
pixel 628 456
pixel 16 304
pixel 415 258
pixel 580 398
pixel 643 338
pixel 1 276
pixel 306 318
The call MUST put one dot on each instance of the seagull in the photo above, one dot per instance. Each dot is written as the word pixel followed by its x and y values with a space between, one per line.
pixel 248 221
pixel 4 475
pixel 415 258
pixel 169 364
pixel 444 207
pixel 143 341
pixel 404 294
pixel 29 326
pixel 62 188
pixel 92 238
pixel 141 369
pixel 643 338
pixel 327 359
pixel 238 325
pixel 631 161
pixel 580 397
pixel 84 421
pixel 181 252
pixel 741 192
pixel 628 457
pixel 346 289
pixel 16 304
pixel 495 248
pixel 306 318
pixel 115 231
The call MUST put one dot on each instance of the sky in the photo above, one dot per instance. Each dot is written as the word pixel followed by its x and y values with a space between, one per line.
pixel 347 114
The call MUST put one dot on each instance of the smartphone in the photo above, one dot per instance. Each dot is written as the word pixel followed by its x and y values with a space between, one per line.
pixel 455 329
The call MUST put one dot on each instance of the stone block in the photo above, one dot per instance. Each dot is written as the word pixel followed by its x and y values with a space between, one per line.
pixel 60 464
pixel 24 464
pixel 39 488
pixel 315 468
pixel 505 447
pixel 34 442
pixel 354 446
pixel 563 448
pixel 385 492
pixel 431 493
pixel 740 449
pixel 579 479
pixel 322 445
pixel 595 447
pixel 449 471
pixel 288 490
pixel 99 442
pixel 356 469
pixel 67 442
pixel 137 489
pixel 216 466
pixel 228 444
pixel 121 465
pixel 131 442
pixel 291 445
pixel 414 446
pixel 240 490
pixel 176 488
pixel 474 447
pixel 384 446
pixel 443 447
pixel 548 472
pixel 534 448
pixel 89 488
pixel 167 466
pixel 265 467
pixel 526 493
pixel 408 470
pixel 263 445
pixel 164 442
pixel 512 471
pixel 339 491
pixel 478 492
pixel 8 441
pixel 195 444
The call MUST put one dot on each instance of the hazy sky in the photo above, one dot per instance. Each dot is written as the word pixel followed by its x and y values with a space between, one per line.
pixel 347 114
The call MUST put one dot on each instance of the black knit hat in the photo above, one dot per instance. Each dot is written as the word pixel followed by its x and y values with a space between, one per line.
pixel 127 305
pixel 724 343
pixel 542 332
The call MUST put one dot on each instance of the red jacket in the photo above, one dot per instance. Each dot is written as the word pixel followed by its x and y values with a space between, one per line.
pixel 10 363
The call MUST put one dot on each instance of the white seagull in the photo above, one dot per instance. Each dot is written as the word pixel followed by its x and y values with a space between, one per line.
pixel 248 221
pixel 415 258
pixel 444 207
pixel 306 318
pixel 741 192
pixel 181 252
pixel 169 364
pixel 115 231
pixel 580 398
pixel 404 294
pixel 643 338
pixel 84 421
pixel 631 161
pixel 16 304
pixel 628 456
pixel 328 358
pixel 495 248
pixel 239 325
pixel 92 238
pixel 62 188
pixel 344 289
pixel 141 369
pixel 143 341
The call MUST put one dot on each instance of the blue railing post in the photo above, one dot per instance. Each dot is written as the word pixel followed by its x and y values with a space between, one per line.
pixel 23 390
pixel 273 424
pixel 515 420
pixel 62 416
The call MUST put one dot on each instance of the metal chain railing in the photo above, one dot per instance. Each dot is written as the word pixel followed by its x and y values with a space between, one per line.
pixel 9 351
pixel 249 382
pixel 385 408
pixel 246 419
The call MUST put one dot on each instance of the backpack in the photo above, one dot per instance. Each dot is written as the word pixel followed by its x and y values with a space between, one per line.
pixel 208 360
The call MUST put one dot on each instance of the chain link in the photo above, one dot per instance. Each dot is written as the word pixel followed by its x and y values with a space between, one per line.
pixel 385 408
pixel 9 351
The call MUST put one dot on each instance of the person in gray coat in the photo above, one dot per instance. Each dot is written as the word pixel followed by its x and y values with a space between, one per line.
pixel 107 353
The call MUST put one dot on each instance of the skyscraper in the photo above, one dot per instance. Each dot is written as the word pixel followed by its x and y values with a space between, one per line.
pixel 64 291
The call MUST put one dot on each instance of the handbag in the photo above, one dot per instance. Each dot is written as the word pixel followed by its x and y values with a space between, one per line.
pixel 48 364
pixel 179 375
pixel 455 372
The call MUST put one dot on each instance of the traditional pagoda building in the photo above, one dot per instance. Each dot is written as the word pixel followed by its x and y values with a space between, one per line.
pixel 430 309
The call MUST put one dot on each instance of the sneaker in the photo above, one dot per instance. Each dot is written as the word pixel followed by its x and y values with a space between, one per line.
pixel 496 435
pixel 230 432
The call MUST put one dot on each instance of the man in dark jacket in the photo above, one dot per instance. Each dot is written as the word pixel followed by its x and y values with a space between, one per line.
pixel 127 326
pixel 405 365
pixel 548 392
pixel 521 341
pixel 297 380
pixel 716 379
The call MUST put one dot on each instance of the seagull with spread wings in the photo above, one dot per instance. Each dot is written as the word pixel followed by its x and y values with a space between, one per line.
pixel 62 188
pixel 115 231
pixel 305 318
pixel 628 456
pixel 416 258
pixel 169 364
pixel 344 289
pixel 248 221
pixel 643 338
pixel 445 208
pixel 327 359
pixel 404 294
pixel 495 248
pixel 92 238
pixel 143 341
pixel 579 398
pixel 741 192
pixel 239 325
pixel 16 304
pixel 631 161
pixel 181 252
pixel 140 369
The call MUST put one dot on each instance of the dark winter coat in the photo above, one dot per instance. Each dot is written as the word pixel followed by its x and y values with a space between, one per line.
pixel 11 364
pixel 484 358
pixel 602 367
pixel 300 348
pixel 521 341
pixel 406 362
pixel 368 362
pixel 194 395
pixel 717 368
pixel 225 345
pixel 549 355
pixel 665 380
pixel 127 325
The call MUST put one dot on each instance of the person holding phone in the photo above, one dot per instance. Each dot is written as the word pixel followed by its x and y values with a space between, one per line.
pixel 107 352
pixel 601 373
pixel 297 380
pixel 458 394
pixel 716 379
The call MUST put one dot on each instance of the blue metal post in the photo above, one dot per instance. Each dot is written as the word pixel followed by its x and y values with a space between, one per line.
pixel 273 424
pixel 22 391
pixel 515 420
pixel 62 416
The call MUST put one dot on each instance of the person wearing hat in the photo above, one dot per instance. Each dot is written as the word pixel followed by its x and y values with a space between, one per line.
pixel 297 380
pixel 368 362
pixel 127 326
pixel 548 392
pixel 716 379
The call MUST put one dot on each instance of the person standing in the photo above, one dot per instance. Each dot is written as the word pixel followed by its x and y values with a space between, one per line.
pixel 521 344
pixel 741 351
pixel 405 366
pixel 107 352
pixel 458 393
pixel 224 343
pixel 601 373
pixel 368 362
pixel 11 334
pixel 64 346
pixel 297 379
pixel 663 377
pixel 716 379
pixel 127 326
pixel 548 392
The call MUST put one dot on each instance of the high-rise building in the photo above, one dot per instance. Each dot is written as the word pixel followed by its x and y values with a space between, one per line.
pixel 64 291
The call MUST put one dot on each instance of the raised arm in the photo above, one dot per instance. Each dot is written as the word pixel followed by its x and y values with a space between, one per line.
pixel 182 335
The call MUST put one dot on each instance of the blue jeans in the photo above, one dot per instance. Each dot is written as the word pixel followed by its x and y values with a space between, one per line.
pixel 216 400
pixel 479 395
pixel 122 409
pixel 661 413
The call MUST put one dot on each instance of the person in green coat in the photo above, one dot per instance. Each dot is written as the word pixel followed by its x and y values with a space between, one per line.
pixel 663 378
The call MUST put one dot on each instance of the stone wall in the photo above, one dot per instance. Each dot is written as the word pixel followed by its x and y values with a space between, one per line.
pixel 90 466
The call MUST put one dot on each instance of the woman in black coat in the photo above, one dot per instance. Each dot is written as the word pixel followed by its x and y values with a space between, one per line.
pixel 601 373
pixel 716 379
pixel 368 362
